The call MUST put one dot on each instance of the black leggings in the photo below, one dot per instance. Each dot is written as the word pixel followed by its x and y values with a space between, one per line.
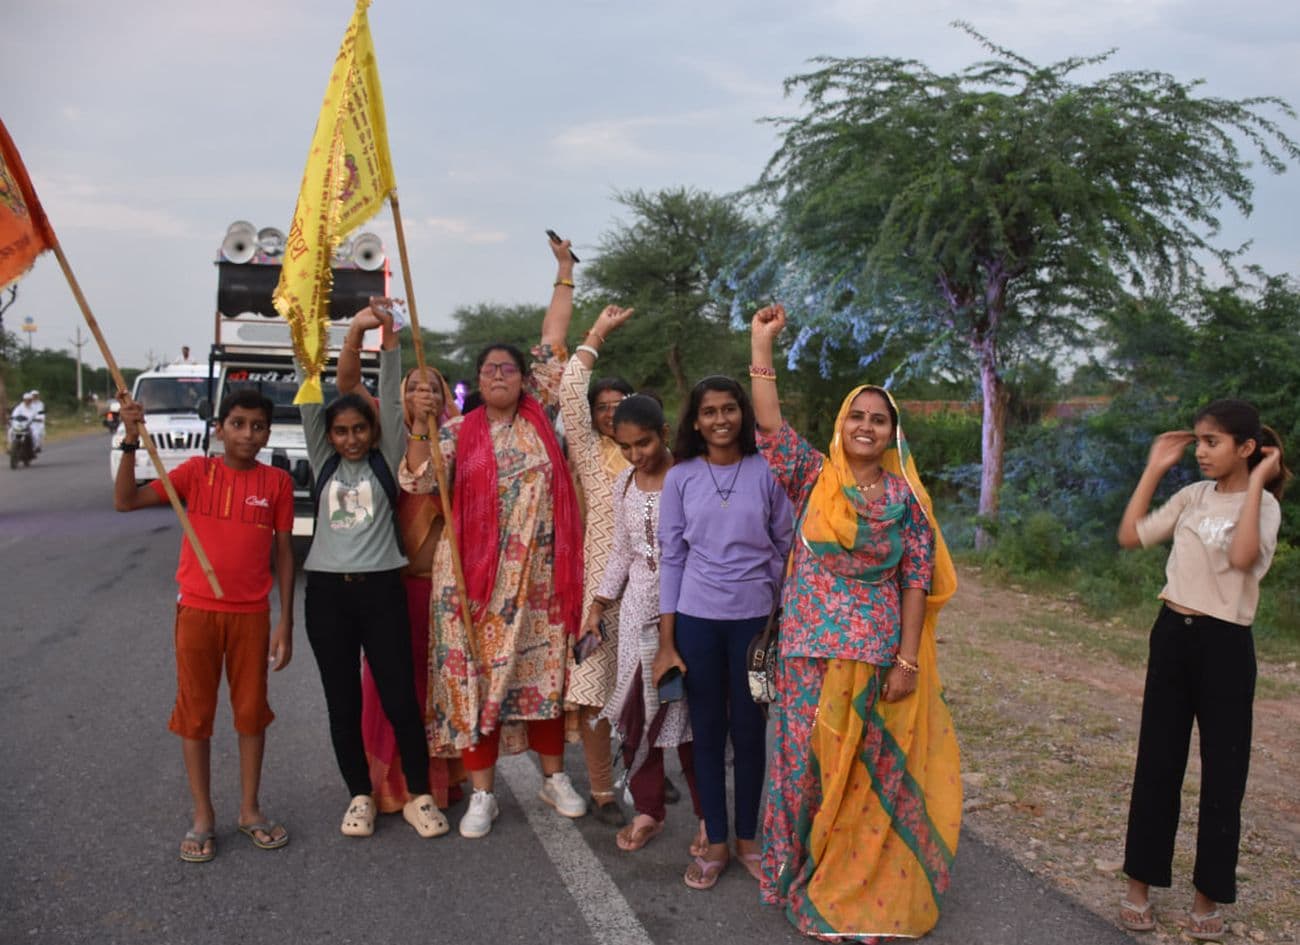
pixel 348 613
pixel 1200 669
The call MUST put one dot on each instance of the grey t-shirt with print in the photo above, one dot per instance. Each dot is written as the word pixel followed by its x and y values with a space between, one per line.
pixel 354 520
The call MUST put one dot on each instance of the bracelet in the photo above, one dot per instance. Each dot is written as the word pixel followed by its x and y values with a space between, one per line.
pixel 906 665
pixel 129 447
pixel 598 335
pixel 564 282
pixel 757 370
pixel 420 436
pixel 589 349
pixel 763 377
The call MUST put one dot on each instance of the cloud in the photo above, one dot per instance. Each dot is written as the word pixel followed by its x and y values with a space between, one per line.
pixel 75 203
pixel 621 141
pixel 465 231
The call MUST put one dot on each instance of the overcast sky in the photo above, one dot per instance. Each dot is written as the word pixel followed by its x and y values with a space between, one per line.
pixel 149 127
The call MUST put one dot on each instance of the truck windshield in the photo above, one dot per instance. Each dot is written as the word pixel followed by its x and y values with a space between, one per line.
pixel 281 387
pixel 171 394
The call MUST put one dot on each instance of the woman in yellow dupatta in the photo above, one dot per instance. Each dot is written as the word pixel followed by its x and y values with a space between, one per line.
pixel 864 788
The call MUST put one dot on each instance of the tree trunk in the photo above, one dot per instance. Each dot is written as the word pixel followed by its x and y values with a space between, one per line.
pixel 679 376
pixel 992 438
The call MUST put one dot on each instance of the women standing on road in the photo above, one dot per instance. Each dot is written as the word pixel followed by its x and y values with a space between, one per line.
pixel 646 725
pixel 520 539
pixel 724 531
pixel 354 599
pixel 864 793
pixel 1202 660
pixel 419 519
pixel 587 410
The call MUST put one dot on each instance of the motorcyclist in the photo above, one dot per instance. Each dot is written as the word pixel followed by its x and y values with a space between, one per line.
pixel 38 421
pixel 25 411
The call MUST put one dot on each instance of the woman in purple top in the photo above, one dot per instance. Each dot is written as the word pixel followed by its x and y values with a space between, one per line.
pixel 725 527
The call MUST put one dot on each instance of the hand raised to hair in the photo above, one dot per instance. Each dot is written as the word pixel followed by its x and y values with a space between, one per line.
pixel 1269 466
pixel 768 322
pixel 1168 449
pixel 611 319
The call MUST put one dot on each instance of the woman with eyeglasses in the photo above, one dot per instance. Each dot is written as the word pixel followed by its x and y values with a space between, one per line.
pixel 587 409
pixel 519 533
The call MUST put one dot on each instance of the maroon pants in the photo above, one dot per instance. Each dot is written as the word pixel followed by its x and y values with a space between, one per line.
pixel 648 783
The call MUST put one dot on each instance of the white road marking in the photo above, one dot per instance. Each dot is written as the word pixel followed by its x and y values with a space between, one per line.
pixel 601 902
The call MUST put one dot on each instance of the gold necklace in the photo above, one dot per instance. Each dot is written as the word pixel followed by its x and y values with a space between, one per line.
pixel 870 485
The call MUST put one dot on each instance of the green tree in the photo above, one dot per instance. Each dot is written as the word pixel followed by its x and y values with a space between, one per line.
pixel 665 262
pixel 996 208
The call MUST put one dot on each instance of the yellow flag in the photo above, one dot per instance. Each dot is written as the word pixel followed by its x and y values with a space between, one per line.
pixel 348 175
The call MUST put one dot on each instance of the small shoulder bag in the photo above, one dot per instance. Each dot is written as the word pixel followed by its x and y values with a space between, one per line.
pixel 760 656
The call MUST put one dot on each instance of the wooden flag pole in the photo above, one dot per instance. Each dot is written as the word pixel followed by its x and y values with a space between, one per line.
pixel 120 381
pixel 435 451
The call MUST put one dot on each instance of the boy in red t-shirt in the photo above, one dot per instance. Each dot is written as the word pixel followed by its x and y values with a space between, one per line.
pixel 240 509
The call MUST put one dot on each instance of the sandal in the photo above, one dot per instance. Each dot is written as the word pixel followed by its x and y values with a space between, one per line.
pixel 202 838
pixel 700 845
pixel 359 821
pixel 638 833
pixel 1136 918
pixel 706 872
pixel 1205 927
pixel 273 843
pixel 423 814
pixel 752 862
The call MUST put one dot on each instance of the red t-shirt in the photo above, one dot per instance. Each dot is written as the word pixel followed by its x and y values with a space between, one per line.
pixel 235 513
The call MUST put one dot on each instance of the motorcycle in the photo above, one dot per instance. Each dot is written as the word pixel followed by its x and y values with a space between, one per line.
pixel 113 415
pixel 22 444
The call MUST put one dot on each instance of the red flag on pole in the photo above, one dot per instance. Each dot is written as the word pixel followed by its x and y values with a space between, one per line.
pixel 24 231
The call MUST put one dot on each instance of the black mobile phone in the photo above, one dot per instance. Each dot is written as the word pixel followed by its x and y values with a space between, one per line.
pixel 555 238
pixel 672 685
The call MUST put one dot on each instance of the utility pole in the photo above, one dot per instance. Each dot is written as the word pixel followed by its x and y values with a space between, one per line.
pixel 79 343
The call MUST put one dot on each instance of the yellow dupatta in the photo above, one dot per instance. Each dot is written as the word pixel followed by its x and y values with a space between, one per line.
pixel 882 842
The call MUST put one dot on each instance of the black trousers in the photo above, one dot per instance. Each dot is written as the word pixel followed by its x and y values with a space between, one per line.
pixel 349 613
pixel 1199 669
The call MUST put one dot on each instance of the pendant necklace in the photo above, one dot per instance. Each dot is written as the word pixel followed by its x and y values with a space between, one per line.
pixel 724 494
pixel 865 489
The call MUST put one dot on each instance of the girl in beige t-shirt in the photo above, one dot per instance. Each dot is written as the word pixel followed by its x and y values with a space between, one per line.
pixel 1201 667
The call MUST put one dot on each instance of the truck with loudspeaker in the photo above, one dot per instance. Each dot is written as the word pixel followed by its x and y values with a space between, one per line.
pixel 252 345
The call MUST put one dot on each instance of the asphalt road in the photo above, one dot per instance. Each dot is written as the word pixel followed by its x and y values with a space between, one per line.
pixel 93 799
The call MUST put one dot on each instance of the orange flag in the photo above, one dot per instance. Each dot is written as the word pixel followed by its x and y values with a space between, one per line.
pixel 24 231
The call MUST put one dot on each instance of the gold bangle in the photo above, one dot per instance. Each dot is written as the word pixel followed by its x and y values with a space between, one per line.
pixel 420 436
pixel 564 282
pixel 906 665
pixel 763 377
pixel 597 335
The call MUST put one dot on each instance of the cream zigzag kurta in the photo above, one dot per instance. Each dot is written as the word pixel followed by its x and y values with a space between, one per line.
pixel 597 460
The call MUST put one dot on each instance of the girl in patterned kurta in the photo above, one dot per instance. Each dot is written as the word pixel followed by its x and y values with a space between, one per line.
pixel 632 574
pixel 520 541
pixel 587 410
pixel 864 795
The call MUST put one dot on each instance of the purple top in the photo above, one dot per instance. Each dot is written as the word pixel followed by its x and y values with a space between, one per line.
pixel 722 563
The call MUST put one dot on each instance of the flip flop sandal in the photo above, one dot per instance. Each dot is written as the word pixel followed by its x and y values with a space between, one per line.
pixel 359 821
pixel 752 862
pixel 1136 918
pixel 633 837
pixel 202 838
pixel 252 830
pixel 423 814
pixel 1198 926
pixel 700 844
pixel 710 870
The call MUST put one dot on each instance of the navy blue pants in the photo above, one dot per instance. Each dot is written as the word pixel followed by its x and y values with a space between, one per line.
pixel 1203 670
pixel 717 697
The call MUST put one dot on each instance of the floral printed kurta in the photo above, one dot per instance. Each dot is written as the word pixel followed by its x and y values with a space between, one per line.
pixel 597 460
pixel 827 614
pixel 513 669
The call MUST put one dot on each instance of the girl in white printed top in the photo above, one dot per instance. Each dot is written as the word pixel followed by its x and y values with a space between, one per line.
pixel 1202 655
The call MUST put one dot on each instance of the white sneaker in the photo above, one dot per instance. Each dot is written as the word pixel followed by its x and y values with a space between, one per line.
pixel 557 790
pixel 478 818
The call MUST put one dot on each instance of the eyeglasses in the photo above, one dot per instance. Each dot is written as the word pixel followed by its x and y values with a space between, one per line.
pixel 608 407
pixel 504 369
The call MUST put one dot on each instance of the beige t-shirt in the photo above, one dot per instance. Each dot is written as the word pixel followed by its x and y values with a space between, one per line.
pixel 1198 576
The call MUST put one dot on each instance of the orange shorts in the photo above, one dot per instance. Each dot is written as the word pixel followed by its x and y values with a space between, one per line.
pixel 204 640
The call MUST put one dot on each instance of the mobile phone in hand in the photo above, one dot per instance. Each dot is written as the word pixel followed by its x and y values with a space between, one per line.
pixel 586 646
pixel 672 685
pixel 555 238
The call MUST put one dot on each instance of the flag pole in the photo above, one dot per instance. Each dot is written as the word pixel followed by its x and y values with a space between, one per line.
pixel 145 438
pixel 435 451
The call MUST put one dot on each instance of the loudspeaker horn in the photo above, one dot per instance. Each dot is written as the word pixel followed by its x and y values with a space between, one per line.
pixel 368 252
pixel 240 244
pixel 271 241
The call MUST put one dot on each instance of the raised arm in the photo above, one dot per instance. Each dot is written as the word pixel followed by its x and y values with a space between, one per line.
pixel 764 328
pixel 1244 550
pixel 555 326
pixel 1167 449
pixel 127 496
